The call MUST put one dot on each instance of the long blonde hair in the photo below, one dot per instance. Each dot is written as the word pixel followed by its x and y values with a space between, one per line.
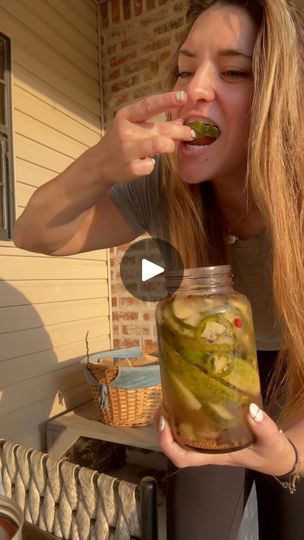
pixel 275 175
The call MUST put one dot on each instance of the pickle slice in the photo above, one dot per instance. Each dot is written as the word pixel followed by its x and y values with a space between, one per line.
pixel 206 389
pixel 189 309
pixel 174 324
pixel 244 377
pixel 191 349
pixel 182 392
pixel 203 129
pixel 216 412
pixel 219 364
pixel 213 327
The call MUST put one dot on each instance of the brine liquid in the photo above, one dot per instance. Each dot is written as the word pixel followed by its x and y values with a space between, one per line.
pixel 208 369
pixel 8 528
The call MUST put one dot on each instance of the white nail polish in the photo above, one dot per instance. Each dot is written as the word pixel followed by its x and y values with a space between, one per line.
pixel 193 134
pixel 256 413
pixel 180 95
pixel 162 423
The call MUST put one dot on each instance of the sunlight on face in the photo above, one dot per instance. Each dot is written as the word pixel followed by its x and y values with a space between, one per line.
pixel 215 69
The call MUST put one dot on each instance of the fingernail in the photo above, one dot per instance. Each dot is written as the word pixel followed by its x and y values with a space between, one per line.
pixel 193 134
pixel 153 161
pixel 256 413
pixel 180 95
pixel 162 423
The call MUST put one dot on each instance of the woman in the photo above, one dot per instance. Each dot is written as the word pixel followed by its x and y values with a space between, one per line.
pixel 240 69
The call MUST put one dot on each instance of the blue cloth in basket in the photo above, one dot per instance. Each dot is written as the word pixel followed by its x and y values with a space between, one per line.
pixel 127 377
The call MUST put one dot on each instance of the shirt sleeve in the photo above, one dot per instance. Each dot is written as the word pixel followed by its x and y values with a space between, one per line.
pixel 136 200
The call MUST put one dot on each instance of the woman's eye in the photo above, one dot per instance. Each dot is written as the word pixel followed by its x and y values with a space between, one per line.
pixel 233 74
pixel 184 74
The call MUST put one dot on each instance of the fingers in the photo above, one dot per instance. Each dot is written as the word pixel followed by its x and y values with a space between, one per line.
pixel 176 130
pixel 272 453
pixel 182 457
pixel 139 141
pixel 163 142
pixel 133 151
pixel 141 167
pixel 173 129
pixel 137 137
pixel 147 108
pixel 175 453
pixel 264 428
pixel 272 442
pixel 155 145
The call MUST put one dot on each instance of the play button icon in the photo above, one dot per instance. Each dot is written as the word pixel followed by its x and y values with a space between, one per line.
pixel 150 270
pixel 146 267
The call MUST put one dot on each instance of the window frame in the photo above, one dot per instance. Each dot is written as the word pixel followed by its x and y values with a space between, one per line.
pixel 6 154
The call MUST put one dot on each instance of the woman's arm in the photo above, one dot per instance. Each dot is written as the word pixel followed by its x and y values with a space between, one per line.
pixel 65 214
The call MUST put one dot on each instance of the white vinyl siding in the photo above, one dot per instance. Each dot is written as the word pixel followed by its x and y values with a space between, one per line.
pixel 48 304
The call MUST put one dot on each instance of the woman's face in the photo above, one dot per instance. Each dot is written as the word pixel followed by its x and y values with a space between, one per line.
pixel 215 69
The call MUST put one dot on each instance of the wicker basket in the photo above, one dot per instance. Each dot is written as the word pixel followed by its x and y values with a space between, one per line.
pixel 124 407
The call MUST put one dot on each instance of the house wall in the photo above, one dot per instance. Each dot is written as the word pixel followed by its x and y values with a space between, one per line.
pixel 47 304
pixel 138 38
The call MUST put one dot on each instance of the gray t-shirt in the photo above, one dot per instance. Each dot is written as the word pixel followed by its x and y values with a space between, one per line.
pixel 140 203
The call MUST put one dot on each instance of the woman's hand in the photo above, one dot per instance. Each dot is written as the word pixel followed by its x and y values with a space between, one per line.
pixel 271 454
pixel 133 138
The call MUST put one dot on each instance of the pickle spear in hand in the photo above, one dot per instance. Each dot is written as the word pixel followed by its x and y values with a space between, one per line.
pixel 205 132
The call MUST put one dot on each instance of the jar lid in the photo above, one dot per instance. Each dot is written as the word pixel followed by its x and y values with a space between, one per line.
pixel 201 277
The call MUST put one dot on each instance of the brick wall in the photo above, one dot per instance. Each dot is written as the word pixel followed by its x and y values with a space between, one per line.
pixel 133 320
pixel 138 38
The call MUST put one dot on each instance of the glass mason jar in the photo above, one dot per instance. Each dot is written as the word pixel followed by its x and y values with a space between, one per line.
pixel 208 361
pixel 11 519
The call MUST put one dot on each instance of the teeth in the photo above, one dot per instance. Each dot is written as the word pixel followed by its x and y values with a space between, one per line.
pixel 196 148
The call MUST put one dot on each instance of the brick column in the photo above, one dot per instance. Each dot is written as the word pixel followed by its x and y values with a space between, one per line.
pixel 138 38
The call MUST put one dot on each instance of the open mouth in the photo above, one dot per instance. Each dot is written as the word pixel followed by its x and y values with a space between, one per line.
pixel 205 133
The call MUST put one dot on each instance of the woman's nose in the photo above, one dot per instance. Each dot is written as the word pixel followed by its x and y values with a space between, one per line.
pixel 202 85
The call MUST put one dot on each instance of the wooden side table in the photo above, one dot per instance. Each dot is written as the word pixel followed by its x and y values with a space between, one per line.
pixel 64 430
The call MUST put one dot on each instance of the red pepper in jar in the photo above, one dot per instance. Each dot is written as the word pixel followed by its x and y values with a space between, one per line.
pixel 238 322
